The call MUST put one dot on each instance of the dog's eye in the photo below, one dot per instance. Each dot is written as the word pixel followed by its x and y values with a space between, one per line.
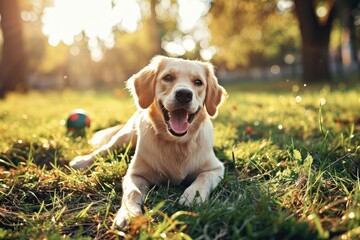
pixel 198 82
pixel 168 78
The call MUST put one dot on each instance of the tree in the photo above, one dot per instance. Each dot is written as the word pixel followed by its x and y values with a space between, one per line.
pixel 315 36
pixel 251 33
pixel 154 26
pixel 13 66
pixel 348 9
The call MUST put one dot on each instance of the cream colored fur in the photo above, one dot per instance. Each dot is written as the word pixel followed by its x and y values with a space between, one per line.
pixel 160 156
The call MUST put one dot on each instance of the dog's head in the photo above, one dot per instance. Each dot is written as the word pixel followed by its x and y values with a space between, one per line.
pixel 179 90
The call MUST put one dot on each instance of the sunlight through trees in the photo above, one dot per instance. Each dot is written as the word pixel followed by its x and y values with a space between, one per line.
pixel 84 43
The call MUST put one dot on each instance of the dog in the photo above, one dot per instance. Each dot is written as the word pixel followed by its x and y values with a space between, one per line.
pixel 171 130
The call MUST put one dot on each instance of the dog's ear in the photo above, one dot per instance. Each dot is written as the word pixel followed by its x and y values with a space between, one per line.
pixel 215 94
pixel 142 84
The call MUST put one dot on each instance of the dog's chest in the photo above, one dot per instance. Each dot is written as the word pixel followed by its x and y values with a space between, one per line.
pixel 174 162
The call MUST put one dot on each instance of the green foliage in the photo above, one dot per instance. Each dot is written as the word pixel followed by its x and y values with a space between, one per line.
pixel 252 33
pixel 292 170
pixel 245 33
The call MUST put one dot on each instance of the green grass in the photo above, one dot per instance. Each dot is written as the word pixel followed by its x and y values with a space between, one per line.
pixel 292 157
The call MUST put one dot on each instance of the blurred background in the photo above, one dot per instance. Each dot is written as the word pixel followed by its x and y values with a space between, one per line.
pixel 84 44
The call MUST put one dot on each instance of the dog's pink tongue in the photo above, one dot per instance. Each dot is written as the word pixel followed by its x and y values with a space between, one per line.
pixel 178 121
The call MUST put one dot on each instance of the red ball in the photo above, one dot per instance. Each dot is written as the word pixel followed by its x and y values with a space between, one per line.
pixel 77 121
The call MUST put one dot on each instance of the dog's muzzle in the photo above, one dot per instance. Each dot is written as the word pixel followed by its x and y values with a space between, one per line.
pixel 178 120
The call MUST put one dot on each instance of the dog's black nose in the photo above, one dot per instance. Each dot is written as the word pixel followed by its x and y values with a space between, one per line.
pixel 183 95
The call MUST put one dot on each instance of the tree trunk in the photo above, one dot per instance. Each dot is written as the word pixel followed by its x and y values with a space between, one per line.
pixel 13 64
pixel 315 36
pixel 315 61
pixel 155 36
pixel 348 37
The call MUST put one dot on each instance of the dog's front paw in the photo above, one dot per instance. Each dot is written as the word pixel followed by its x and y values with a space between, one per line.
pixel 123 217
pixel 82 162
pixel 192 196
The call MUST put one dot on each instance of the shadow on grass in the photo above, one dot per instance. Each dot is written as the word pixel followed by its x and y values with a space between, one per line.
pixel 44 154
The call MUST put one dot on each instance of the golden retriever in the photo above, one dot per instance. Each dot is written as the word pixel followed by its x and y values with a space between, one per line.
pixel 171 130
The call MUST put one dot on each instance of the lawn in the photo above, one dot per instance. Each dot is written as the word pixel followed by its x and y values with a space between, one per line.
pixel 291 151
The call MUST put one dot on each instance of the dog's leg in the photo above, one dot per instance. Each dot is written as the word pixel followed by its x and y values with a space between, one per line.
pixel 199 191
pixel 104 136
pixel 124 136
pixel 135 189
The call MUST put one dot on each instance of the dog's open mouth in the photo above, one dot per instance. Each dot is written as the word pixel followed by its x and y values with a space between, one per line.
pixel 178 120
